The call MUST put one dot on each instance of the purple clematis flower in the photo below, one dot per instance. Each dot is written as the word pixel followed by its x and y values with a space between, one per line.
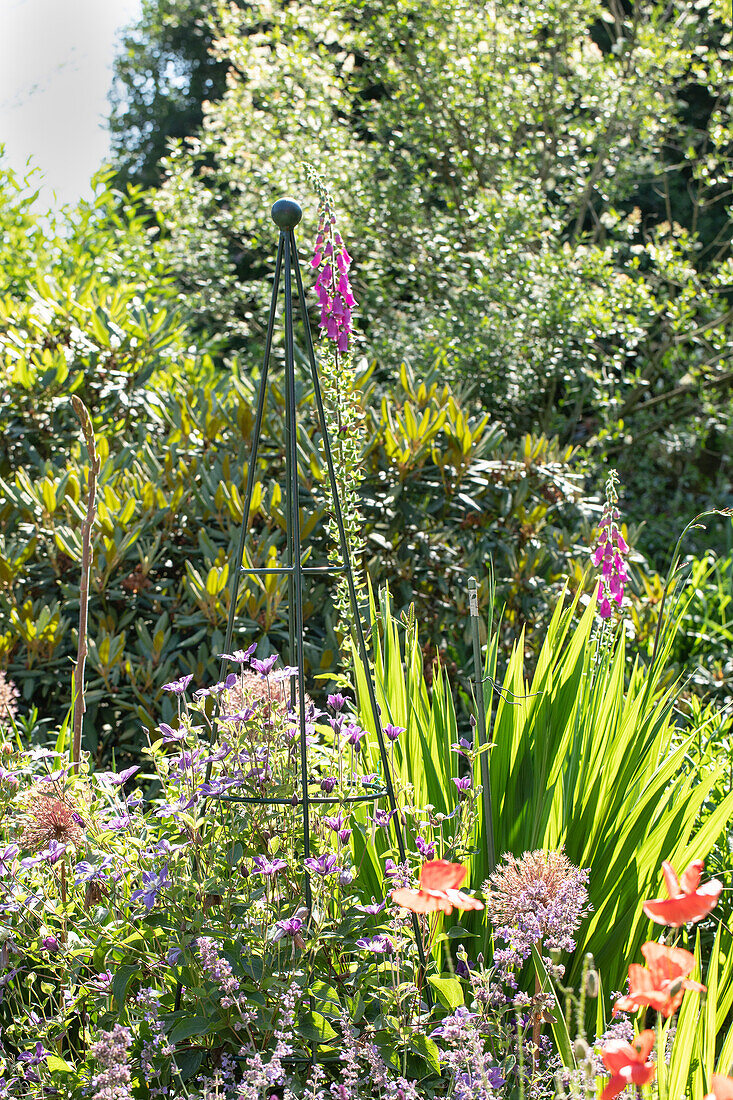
pixel 178 687
pixel 354 734
pixel 268 867
pixel 266 666
pixel 152 885
pixel 89 872
pixel 336 702
pixel 217 689
pixel 240 656
pixel 6 858
pixel 372 909
pixel 462 784
pixel 425 848
pixel 379 945
pixel 118 778
pixel 324 865
pixel 393 732
pixel 169 734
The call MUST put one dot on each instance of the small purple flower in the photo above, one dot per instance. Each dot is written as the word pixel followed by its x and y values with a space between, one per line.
pixel 178 687
pixel 328 783
pixel 324 865
pixel 240 656
pixel 372 909
pixel 344 835
pixel 268 868
pixel 218 689
pixel 425 848
pixel 34 1058
pixel 369 780
pixel 50 943
pixel 462 746
pixel 289 927
pixel 354 734
pixel 335 823
pixel 152 885
pixel 90 872
pixel 169 734
pixel 382 818
pixel 379 945
pixel 7 855
pixel 463 784
pixel 32 861
pixel 393 732
pixel 118 778
pixel 264 667
pixel 336 702
pixel 284 674
pixel 101 982
pixel 346 877
pixel 452 1027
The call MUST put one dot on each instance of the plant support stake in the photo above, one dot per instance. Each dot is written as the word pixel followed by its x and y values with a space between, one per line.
pixel 85 420
pixel 481 719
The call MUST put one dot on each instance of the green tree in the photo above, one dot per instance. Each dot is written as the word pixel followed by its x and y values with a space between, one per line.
pixel 164 73
pixel 489 160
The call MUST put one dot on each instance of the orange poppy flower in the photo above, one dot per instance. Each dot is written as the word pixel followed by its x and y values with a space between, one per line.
pixel 662 986
pixel 722 1088
pixel 627 1064
pixel 687 901
pixel 439 882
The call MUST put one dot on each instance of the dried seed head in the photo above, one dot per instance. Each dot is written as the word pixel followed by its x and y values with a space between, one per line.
pixel 51 816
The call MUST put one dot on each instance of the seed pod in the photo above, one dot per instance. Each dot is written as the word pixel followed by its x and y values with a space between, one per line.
pixel 591 983
pixel 581 1048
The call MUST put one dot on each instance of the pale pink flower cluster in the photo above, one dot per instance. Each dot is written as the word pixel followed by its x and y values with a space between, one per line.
pixel 332 262
pixel 609 556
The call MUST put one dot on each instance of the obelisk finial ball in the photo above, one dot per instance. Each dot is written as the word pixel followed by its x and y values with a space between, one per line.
pixel 286 213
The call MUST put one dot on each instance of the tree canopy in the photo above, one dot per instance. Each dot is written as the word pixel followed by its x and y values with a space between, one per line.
pixel 537 197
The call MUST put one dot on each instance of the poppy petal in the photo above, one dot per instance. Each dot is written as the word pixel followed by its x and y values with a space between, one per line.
pixel 666 963
pixel 670 879
pixel 690 878
pixel 685 908
pixel 722 1087
pixel 613 1088
pixel 416 900
pixel 437 874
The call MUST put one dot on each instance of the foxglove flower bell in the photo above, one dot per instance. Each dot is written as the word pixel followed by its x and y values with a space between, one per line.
pixel 609 554
pixel 332 262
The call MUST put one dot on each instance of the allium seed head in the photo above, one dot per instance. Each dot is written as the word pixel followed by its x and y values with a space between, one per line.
pixel 539 898
pixel 51 816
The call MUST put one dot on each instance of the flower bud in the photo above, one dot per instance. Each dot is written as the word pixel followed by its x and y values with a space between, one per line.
pixel 591 983
pixel 581 1049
